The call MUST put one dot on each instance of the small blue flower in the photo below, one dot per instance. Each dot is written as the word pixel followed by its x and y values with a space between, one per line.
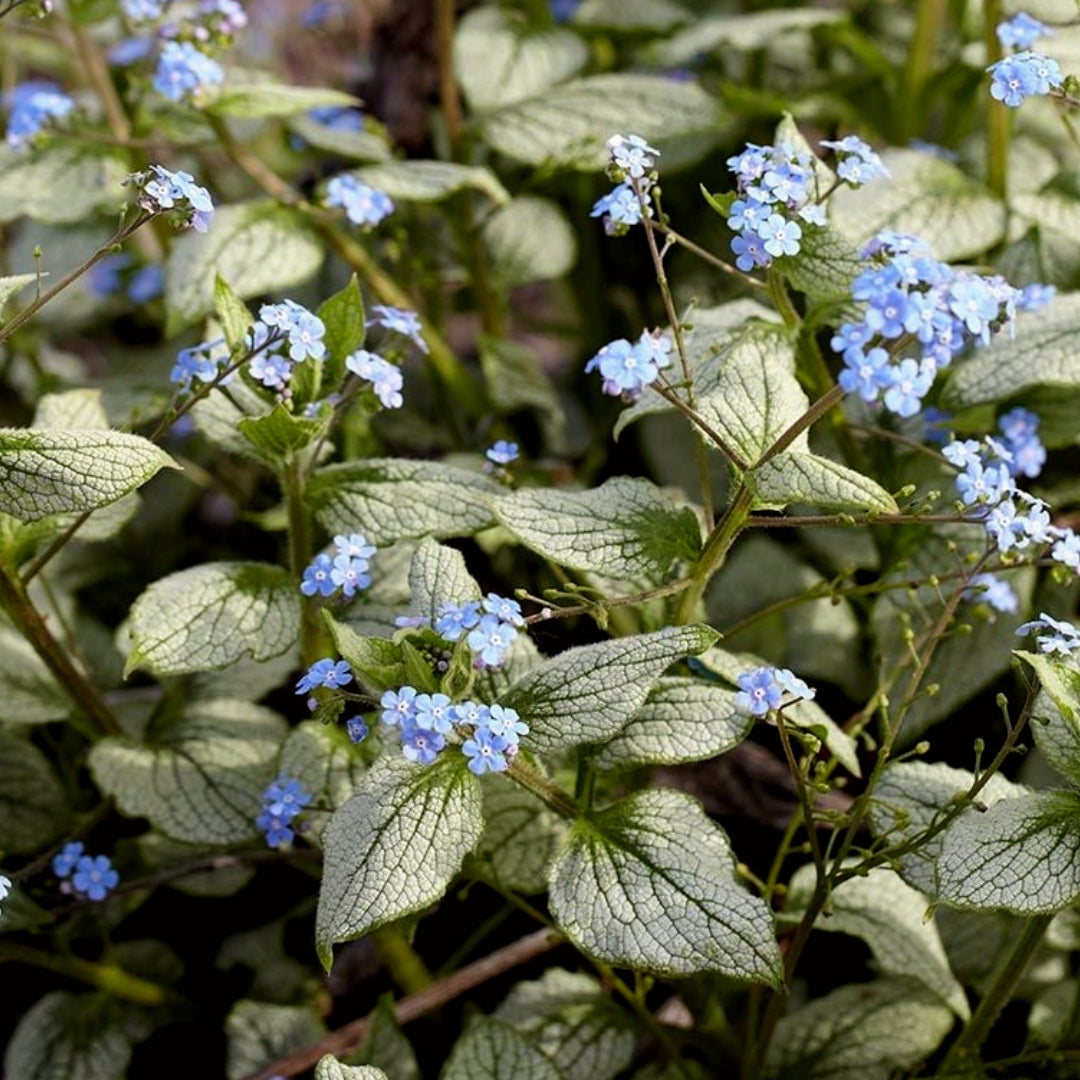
pixel 143 10
pixel 1026 74
pixel 473 713
pixel 64 862
pixel 506 723
pixel 759 692
pixel 865 375
pixel 356 728
pixel 486 752
pixel 103 278
pixel 285 798
pixel 621 208
pixel 398 706
pixel 318 577
pixel 491 640
pixel 1055 636
pixel 453 620
pixel 325 673
pixel 350 574
pixel 749 252
pixel 433 712
pixel 420 745
pixel 1033 297
pixel 363 205
pixel 1021 31
pixel 202 362
pixel 400 321
pixel 355 545
pixel 990 589
pixel 631 155
pixel 162 190
pixel 147 283
pixel 183 71
pixel 505 609
pixel 30 106
pixel 790 683
pixel 909 383
pixel 276 829
pixel 94 877
pixel 385 378
pixel 779 236
pixel 502 452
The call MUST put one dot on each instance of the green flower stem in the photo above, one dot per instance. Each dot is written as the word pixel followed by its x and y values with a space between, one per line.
pixel 929 21
pixel 21 318
pixel 408 971
pixel 778 291
pixel 713 554
pixel 963 1057
pixel 548 793
pixel 999 118
pixel 312 638
pixel 108 977
pixel 84 695
pixel 831 397
pixel 464 390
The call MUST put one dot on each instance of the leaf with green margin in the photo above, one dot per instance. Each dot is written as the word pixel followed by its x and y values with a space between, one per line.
pixel 437 576
pixel 13 285
pixel 386 1046
pixel 909 797
pixel 492 1050
pixel 631 15
pixel 1022 855
pixel 928 197
pixel 650 884
pixel 745 33
pixel 682 720
pixel 329 1068
pixel 572 1020
pixel 395 499
pixel 232 313
pixel 500 60
pixel 62 184
pixel 64 1036
pixel 568 125
pixel 825 267
pixel 627 527
pixel 343 316
pixel 1042 354
pixel 801 477
pixel 1055 716
pixel 258 247
pixel 431 181
pixel 259 1033
pixel 201 778
pixel 890 916
pixel 806 715
pixel 395 846
pixel 210 616
pixel 376 663
pixel 520 839
pixel 279 432
pixel 586 694
pixel 34 809
pixel 269 100
pixel 510 236
pixel 869 1031
pixel 28 692
pixel 352 145
pixel 48 471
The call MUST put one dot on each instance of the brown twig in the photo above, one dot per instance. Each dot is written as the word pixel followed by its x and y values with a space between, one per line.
pixel 414 1006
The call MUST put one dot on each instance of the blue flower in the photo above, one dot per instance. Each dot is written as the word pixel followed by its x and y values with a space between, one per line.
pixel 64 862
pixel 400 321
pixel 129 51
pixel 202 362
pixel 506 723
pixel 285 798
pixel 355 545
pixel 628 368
pixel 420 745
pixel 790 683
pixel 356 728
pixel 103 278
pixel 325 673
pixel 433 713
pixel 338 117
pixel 759 692
pixel 509 611
pixel 486 752
pixel 385 378
pixel 1054 636
pixel 350 574
pixel 1026 74
pixel 277 829
pixel 502 452
pixel 492 640
pixel 453 620
pixel 990 589
pixel 183 71
pixel 1021 31
pixel 363 205
pixel 147 283
pixel 858 163
pixel 317 577
pixel 1020 427
pixel 1032 297
pixel 621 208
pixel 473 713
pixel 162 190
pixel 271 369
pixel 749 252
pixel 94 877
pixel 30 106
pixel 909 383
pixel 865 375
pixel 398 706
pixel 631 155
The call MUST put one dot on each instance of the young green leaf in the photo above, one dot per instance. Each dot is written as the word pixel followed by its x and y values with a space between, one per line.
pixel 232 313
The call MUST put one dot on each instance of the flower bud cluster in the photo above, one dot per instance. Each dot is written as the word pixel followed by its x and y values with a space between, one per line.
pixel 630 162
pixel 174 193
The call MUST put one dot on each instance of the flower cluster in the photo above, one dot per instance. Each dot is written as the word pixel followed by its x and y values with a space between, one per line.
pixel 489 626
pixel 910 296
pixel 1023 75
pixel 385 378
pixel 162 191
pixel 346 569
pixel 92 876
pixel 628 368
pixel 183 71
pixel 30 106
pixel 363 205
pixel 1053 635
pixel 490 733
pixel 284 334
pixel 500 454
pixel 630 162
pixel 762 690
pixel 201 362
pixel 777 185
pixel 326 673
pixel 1021 31
pixel 282 801
pixel 399 321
